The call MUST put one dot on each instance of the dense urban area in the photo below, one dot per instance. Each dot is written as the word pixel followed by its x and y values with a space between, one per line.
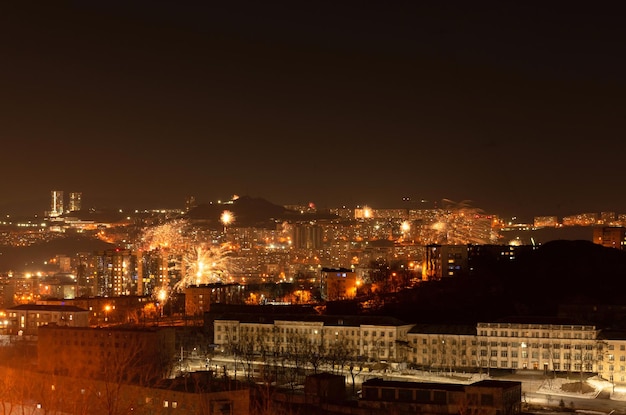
pixel 248 307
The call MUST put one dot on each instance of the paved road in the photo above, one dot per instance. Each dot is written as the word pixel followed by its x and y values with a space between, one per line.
pixel 572 403
pixel 538 402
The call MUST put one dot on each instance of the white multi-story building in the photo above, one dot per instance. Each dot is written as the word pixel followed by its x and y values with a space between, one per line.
pixel 356 337
pixel 548 347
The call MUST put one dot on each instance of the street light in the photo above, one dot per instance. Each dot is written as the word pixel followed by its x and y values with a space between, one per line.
pixel 107 308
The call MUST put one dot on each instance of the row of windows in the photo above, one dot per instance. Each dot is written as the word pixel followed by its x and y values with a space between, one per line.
pixel 95 334
pixel 440 341
pixel 516 354
pixel 537 334
pixel 352 342
pixel 296 330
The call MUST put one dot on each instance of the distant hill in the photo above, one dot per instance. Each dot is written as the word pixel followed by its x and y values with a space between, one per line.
pixel 565 270
pixel 32 258
pixel 535 284
pixel 250 212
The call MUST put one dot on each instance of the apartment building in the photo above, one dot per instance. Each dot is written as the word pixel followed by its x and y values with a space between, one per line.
pixel 487 397
pixel 358 337
pixel 551 347
pixel 26 319
pixel 443 347
pixel 338 284
pixel 547 347
pixel 114 354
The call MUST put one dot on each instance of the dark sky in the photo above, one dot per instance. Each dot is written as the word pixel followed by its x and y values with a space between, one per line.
pixel 517 107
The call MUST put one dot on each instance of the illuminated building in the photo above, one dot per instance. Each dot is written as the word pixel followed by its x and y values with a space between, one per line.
pixel 75 201
pixel 488 397
pixel 153 270
pixel 198 298
pixel 115 273
pixel 609 237
pixel 546 347
pixel 26 319
pixel 373 337
pixel 607 218
pixel 104 309
pixel 307 236
pixel 56 203
pixel 59 285
pixel 363 213
pixel 581 219
pixel 545 221
pixel 199 393
pixel 612 366
pixel 444 261
pixel 400 214
pixel 337 284
pixel 443 346
pixel 94 352
pixel 550 347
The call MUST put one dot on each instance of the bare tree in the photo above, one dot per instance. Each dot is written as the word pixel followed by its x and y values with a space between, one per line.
pixel 117 359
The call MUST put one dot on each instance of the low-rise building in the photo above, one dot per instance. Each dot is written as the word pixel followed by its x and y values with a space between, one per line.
pixel 114 354
pixel 337 284
pixel 488 396
pixel 25 319
pixel 365 338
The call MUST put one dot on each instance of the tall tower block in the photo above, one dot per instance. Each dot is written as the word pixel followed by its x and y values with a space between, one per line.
pixel 56 203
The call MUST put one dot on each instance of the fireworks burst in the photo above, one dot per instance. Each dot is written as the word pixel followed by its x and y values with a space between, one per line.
pixel 227 217
pixel 166 236
pixel 460 223
pixel 205 264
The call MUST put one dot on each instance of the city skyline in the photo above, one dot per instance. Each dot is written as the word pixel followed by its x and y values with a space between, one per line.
pixel 141 104
pixel 62 204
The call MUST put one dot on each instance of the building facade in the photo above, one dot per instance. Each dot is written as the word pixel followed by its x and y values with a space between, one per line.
pixel 198 298
pixel 550 348
pixel 610 236
pixel 112 354
pixel 26 319
pixel 358 338
pixel 485 397
pixel 337 284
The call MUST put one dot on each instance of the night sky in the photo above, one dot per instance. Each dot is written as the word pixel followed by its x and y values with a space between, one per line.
pixel 517 107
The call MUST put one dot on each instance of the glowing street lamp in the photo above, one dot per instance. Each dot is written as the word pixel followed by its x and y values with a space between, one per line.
pixel 107 308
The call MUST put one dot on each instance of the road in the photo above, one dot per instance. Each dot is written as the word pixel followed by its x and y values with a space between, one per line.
pixel 574 404
pixel 536 402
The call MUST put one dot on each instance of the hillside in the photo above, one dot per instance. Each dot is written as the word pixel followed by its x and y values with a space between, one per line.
pixel 250 212
pixel 536 284
pixel 33 258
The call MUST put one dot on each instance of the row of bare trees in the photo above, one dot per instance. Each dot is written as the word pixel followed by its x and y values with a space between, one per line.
pixel 264 359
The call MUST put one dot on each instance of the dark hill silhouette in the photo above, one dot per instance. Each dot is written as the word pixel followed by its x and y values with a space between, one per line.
pixel 567 271
pixel 32 258
pixel 250 212
pixel 535 284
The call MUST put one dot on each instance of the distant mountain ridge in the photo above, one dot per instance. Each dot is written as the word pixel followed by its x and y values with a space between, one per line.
pixel 29 258
pixel 250 212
